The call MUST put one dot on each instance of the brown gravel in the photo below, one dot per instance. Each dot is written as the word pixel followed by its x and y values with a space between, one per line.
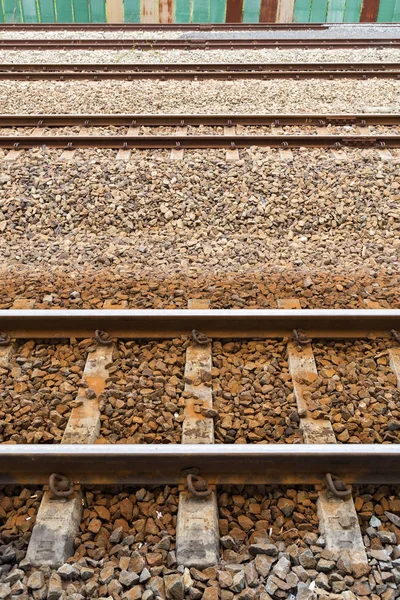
pixel 142 402
pixel 320 289
pixel 253 393
pixel 38 391
pixel 357 390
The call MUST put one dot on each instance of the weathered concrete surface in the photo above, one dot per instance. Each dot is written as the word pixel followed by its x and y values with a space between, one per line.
pixel 52 539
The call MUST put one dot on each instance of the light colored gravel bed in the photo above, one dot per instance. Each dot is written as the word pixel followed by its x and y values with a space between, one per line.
pixel 267 55
pixel 253 393
pixel 154 215
pixel 241 96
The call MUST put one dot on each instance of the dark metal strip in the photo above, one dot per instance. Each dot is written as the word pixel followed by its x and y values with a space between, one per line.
pixel 161 67
pixel 196 44
pixel 163 75
pixel 188 119
pixel 158 324
pixel 219 464
pixel 199 141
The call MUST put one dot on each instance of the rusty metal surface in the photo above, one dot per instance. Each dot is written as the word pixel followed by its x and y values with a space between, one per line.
pixel 161 75
pixel 218 464
pixel 71 142
pixel 229 120
pixel 193 43
pixel 369 12
pixel 226 323
pixel 268 10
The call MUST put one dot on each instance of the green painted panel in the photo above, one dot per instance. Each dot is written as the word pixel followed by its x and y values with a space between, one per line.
pixel 352 11
pixel 302 9
pixel 132 11
pixel 29 11
pixel 97 10
pixel 336 11
pixel 201 11
pixel 46 11
pixel 12 11
pixel 183 11
pixel 217 11
pixel 396 12
pixel 64 11
pixel 1 13
pixel 251 11
pixel 386 10
pixel 81 11
pixel 319 11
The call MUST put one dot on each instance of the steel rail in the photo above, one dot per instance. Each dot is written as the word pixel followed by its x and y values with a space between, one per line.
pixel 224 75
pixel 93 120
pixel 166 323
pixel 193 43
pixel 217 463
pixel 140 67
pixel 164 26
pixel 20 142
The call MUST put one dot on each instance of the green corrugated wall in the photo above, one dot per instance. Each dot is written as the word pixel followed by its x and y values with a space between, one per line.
pixel 194 11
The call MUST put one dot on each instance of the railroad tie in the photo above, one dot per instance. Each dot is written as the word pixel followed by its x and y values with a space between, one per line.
pixel 177 153
pixel 58 519
pixel 197 537
pixel 337 516
pixel 8 350
pixel 70 154
pixel 125 154
pixel 232 154
pixel 284 153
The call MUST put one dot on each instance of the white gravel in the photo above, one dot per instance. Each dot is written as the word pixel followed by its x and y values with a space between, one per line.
pixel 240 96
pixel 200 56
pixel 202 214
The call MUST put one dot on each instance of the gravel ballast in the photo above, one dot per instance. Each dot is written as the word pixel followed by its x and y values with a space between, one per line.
pixel 199 56
pixel 270 546
pixel 198 97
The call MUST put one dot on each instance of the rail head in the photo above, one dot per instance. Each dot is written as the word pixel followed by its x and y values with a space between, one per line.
pixel 215 323
pixel 140 464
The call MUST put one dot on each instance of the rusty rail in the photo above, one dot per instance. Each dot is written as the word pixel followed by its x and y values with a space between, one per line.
pixel 165 323
pixel 165 67
pixel 128 72
pixel 219 464
pixel 71 142
pixel 179 120
pixel 193 43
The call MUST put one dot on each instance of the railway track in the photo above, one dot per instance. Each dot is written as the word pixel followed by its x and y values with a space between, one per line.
pixel 127 72
pixel 194 44
pixel 230 139
pixel 197 465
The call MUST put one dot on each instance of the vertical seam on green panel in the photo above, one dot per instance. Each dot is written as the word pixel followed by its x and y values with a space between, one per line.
pixel 39 18
pixel 55 11
pixel 3 11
